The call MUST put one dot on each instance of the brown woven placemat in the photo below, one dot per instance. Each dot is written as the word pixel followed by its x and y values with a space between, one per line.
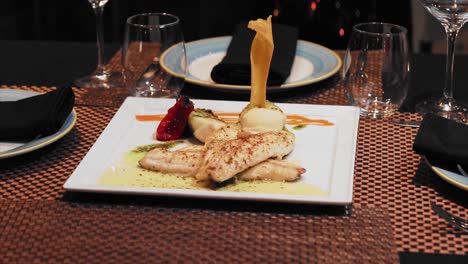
pixel 388 174
pixel 41 174
pixel 60 232
pixel 91 97
pixel 328 92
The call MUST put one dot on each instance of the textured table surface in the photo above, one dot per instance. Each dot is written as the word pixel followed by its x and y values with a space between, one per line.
pixel 390 213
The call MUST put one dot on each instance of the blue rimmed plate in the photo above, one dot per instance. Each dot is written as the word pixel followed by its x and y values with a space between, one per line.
pixel 313 63
pixel 453 175
pixel 11 149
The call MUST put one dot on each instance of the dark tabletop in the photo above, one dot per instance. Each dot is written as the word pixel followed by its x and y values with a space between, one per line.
pixel 48 63
pixel 58 63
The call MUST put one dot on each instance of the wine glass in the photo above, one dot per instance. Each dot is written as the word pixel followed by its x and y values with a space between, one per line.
pixel 102 77
pixel 376 68
pixel 452 14
pixel 153 55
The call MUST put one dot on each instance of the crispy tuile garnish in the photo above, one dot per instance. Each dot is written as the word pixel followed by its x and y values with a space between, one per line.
pixel 261 53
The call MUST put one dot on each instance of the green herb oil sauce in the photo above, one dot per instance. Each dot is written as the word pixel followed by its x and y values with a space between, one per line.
pixel 127 173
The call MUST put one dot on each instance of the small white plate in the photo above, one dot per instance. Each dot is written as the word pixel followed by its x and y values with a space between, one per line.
pixel 11 149
pixel 312 63
pixel 452 177
pixel 326 152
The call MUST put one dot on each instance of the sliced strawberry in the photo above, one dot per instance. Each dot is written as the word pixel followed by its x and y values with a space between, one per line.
pixel 172 126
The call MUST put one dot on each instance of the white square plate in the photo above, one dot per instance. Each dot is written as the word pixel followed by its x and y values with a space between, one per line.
pixel 326 152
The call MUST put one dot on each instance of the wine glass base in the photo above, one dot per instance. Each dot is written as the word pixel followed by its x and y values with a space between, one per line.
pixel 375 114
pixel 378 109
pixel 104 80
pixel 160 93
pixel 450 110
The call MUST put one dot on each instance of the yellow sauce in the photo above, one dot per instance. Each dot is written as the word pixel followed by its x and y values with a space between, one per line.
pixel 273 187
pixel 133 176
pixel 127 173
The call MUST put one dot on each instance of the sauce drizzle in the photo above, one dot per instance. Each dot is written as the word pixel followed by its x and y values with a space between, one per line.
pixel 232 117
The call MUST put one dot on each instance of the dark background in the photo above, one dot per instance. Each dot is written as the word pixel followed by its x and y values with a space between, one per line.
pixel 320 21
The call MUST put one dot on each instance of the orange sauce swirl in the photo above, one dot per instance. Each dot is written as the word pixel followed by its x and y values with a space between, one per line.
pixel 232 117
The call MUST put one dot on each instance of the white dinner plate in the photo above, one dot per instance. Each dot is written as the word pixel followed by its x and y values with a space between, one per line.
pixel 326 152
pixel 453 177
pixel 11 149
pixel 312 63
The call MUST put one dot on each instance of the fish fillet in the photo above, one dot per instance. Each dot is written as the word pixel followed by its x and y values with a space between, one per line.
pixel 184 162
pixel 274 170
pixel 227 132
pixel 224 159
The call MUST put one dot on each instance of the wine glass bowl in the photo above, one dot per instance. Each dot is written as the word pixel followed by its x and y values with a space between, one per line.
pixel 147 39
pixel 376 68
pixel 449 13
pixel 452 14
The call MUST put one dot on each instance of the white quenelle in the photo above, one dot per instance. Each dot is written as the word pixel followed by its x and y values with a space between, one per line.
pixel 262 119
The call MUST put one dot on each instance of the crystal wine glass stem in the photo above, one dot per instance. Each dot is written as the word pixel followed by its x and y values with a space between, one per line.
pixel 98 12
pixel 452 33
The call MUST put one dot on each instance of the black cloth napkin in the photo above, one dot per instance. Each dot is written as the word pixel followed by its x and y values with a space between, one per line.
pixel 42 114
pixel 442 140
pixel 235 66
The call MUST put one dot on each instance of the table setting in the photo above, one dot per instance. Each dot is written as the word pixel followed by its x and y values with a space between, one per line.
pixel 368 187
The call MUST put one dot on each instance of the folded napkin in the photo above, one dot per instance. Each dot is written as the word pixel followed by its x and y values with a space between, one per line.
pixel 442 140
pixel 42 114
pixel 235 67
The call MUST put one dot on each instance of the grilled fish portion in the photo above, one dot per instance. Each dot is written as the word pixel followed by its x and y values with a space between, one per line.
pixel 229 152
pixel 225 158
pixel 185 162
pixel 273 170
pixel 227 132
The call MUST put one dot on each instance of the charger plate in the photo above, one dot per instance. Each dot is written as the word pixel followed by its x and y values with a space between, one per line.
pixel 450 174
pixel 11 149
pixel 313 63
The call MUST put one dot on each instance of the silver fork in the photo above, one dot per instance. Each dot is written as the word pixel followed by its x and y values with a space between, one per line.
pixel 455 221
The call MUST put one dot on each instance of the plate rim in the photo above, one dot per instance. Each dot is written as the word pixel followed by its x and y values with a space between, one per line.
pixel 83 180
pixel 49 139
pixel 243 88
pixel 440 172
